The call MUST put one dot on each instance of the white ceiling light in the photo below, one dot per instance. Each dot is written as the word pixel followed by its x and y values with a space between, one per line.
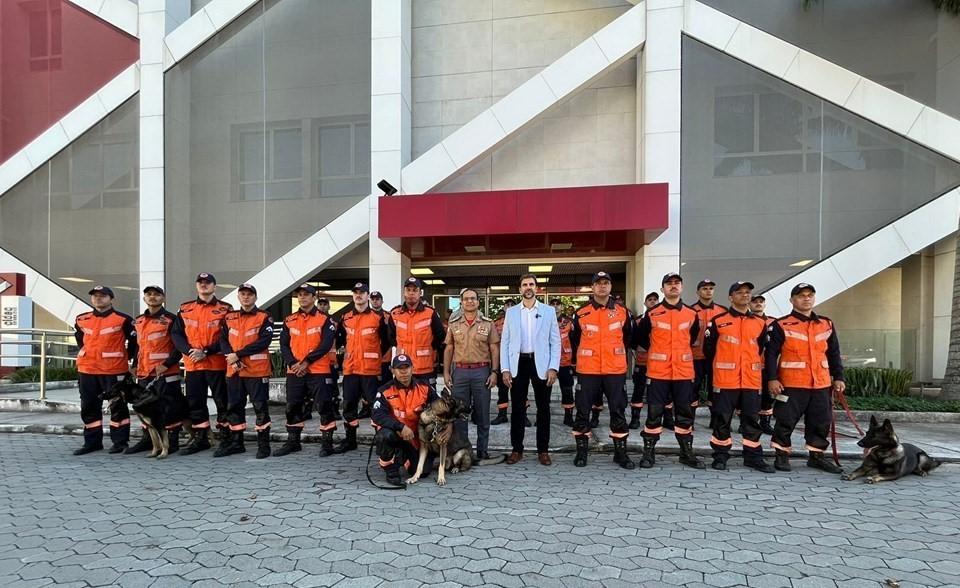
pixel 560 246
pixel 474 248
pixel 540 268
pixel 80 280
pixel 421 271
pixel 437 282
pixel 801 263
pixel 500 288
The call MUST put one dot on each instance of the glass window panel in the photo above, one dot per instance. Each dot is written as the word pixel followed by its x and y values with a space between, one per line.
pixel 361 148
pixel 283 190
pixel 251 156
pixel 818 179
pixel 117 166
pixel 335 151
pixel 287 154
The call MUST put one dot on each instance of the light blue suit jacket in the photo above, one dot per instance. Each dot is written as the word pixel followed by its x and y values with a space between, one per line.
pixel 546 340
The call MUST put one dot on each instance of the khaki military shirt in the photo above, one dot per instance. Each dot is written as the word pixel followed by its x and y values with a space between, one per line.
pixel 471 343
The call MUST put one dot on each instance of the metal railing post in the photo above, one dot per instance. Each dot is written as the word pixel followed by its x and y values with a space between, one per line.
pixel 43 366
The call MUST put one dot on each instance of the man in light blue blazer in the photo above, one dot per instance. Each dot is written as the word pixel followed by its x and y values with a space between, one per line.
pixel 530 354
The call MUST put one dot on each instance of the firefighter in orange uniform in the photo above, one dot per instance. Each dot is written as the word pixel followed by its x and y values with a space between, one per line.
pixel 706 309
pixel 245 339
pixel 602 332
pixel 159 359
pixel 196 334
pixel 376 303
pixel 640 368
pixel 503 392
pixel 733 344
pixel 565 375
pixel 107 341
pixel 365 336
pixel 306 338
pixel 668 332
pixel 418 330
pixel 396 415
pixel 804 368
pixel 758 306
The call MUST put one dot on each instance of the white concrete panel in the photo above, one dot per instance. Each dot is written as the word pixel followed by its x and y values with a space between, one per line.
pixel 661 95
pixel 120 89
pixel 122 14
pixel 575 68
pixel 662 49
pixel 151 245
pixel 658 4
pixel 151 98
pixel 762 50
pixel 80 119
pixel 870 255
pixel 303 258
pixel 662 158
pixel 938 132
pixel 48 144
pixel 151 279
pixel 387 72
pixel 151 193
pixel 53 298
pixel 386 18
pixel 823 276
pixel 821 77
pixel 625 35
pixel 930 223
pixel 152 30
pixel 385 122
pixel 523 104
pixel 197 29
pixel 427 171
pixel 941 345
pixel 13 170
pixel 151 152
pixel 223 12
pixel 709 25
pixel 270 282
pixel 349 227
pixel 474 139
pixel 884 106
pixel 91 6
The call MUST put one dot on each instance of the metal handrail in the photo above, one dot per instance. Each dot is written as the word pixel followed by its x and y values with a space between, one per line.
pixel 42 356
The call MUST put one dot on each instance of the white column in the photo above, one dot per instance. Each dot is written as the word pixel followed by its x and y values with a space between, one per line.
pixel 390 121
pixel 659 85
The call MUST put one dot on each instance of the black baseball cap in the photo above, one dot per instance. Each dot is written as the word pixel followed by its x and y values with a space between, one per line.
pixel 801 287
pixel 156 289
pixel 652 295
pixel 671 276
pixel 376 294
pixel 555 301
pixel 601 276
pixel 758 297
pixel 401 361
pixel 248 287
pixel 413 281
pixel 361 287
pixel 737 285
pixel 305 288
pixel 101 290
pixel 705 282
pixel 205 277
pixel 319 300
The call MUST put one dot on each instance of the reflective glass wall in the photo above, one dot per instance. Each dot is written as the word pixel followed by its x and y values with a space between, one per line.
pixel 774 179
pixel 75 218
pixel 906 45
pixel 267 137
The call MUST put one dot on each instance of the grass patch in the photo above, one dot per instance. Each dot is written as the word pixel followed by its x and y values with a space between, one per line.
pixel 901 404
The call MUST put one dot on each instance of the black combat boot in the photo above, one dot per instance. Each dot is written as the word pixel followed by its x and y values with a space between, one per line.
pixel 568 417
pixel 144 444
pixel 263 444
pixel 393 475
pixel 199 443
pixel 620 456
pixel 292 444
pixel 501 417
pixel 765 426
pixel 583 446
pixel 720 461
pixel 818 461
pixel 634 418
pixel 782 461
pixel 173 440
pixel 649 453
pixel 231 445
pixel 756 462
pixel 326 444
pixel 349 442
pixel 687 457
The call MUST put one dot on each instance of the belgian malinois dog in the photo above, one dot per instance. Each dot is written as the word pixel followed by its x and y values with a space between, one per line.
pixel 887 459
pixel 152 408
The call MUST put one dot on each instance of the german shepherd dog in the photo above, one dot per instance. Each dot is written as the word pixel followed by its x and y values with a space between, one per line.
pixel 887 459
pixel 456 453
pixel 153 409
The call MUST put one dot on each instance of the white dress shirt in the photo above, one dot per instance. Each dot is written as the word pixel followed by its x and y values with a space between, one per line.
pixel 528 318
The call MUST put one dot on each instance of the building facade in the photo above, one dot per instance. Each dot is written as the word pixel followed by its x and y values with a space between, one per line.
pixel 769 140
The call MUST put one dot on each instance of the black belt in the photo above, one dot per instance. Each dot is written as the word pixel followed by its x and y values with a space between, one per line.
pixel 526 355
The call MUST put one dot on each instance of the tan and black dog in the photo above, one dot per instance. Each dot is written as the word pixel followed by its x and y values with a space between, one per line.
pixel 887 459
pixel 153 409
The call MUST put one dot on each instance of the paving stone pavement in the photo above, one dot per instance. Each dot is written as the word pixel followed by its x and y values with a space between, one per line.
pixel 114 520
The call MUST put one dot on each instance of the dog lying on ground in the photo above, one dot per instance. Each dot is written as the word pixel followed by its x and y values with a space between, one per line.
pixel 887 459
pixel 153 409
pixel 456 454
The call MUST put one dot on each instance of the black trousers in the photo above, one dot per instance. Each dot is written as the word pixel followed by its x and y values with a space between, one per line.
pixel 660 393
pixel 814 406
pixel 393 450
pixel 639 386
pixel 503 394
pixel 385 373
pixel 725 403
pixel 176 408
pixel 702 382
pixel 519 393
pixel 196 384
pixel 356 388
pixel 565 378
pixel 766 400
pixel 594 387
pixel 258 391
pixel 92 387
pixel 300 391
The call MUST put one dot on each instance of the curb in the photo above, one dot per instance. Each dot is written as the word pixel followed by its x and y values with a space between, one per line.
pixel 35 386
pixel 35 405
pixel 365 440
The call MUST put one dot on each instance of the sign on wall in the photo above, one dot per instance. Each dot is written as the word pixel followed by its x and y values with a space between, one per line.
pixel 16 312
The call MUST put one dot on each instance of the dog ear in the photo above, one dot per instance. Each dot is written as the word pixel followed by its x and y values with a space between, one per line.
pixel 887 425
pixel 873 421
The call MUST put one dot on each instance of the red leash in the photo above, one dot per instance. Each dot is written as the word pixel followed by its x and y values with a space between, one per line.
pixel 842 399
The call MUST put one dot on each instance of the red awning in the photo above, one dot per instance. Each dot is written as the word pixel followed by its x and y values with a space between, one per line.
pixel 597 219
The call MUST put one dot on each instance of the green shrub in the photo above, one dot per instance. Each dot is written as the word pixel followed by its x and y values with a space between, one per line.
pixel 902 404
pixel 279 367
pixel 877 382
pixel 54 374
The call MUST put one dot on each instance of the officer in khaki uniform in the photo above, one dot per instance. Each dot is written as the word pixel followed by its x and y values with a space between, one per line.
pixel 471 360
